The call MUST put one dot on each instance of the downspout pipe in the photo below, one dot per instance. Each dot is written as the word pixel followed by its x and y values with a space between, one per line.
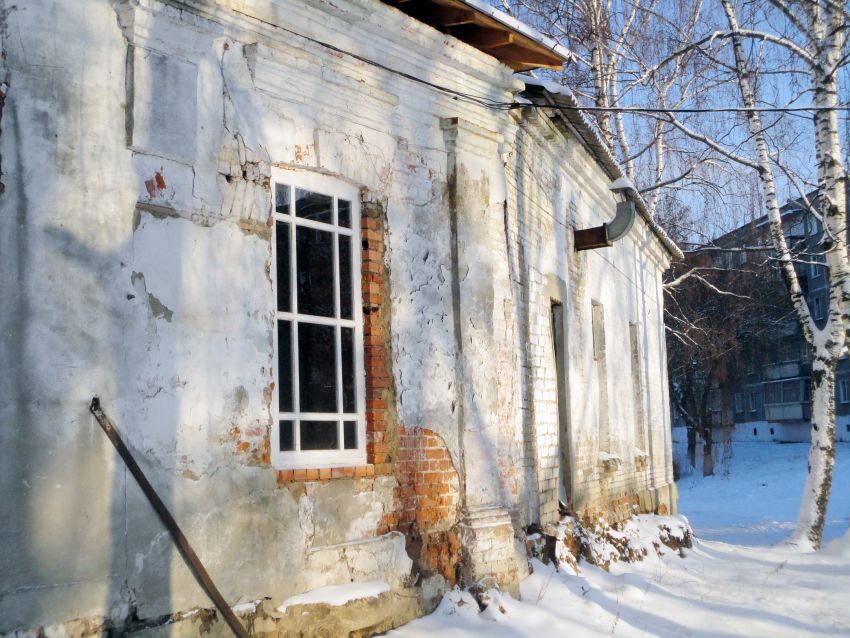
pixel 605 235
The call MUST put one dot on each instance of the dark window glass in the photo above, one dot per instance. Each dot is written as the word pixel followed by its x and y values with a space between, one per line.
pixel 343 213
pixel 317 367
pixel 281 199
pixel 282 239
pixel 315 257
pixel 350 434
pixel 774 393
pixel 284 365
pixel 347 352
pixel 287 436
pixel 319 435
pixel 791 392
pixel 314 206
pixel 345 276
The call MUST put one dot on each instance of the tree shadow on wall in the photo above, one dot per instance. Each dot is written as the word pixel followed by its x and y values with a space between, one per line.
pixel 144 408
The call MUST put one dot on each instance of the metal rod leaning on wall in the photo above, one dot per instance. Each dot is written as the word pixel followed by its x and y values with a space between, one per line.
pixel 186 551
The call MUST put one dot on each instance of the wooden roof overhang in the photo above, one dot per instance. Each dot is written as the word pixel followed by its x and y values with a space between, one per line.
pixel 472 21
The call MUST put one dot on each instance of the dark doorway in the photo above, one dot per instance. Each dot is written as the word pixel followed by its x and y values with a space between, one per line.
pixel 559 348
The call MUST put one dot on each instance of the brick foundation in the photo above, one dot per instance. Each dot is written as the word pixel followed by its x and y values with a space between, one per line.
pixel 491 551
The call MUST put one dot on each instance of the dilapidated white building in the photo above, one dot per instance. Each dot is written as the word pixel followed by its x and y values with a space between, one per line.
pixel 323 264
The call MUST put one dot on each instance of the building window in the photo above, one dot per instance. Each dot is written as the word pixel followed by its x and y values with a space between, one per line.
pixel 739 403
pixel 753 402
pixel 844 390
pixel 784 391
pixel 817 308
pixel 773 393
pixel 791 392
pixel 319 337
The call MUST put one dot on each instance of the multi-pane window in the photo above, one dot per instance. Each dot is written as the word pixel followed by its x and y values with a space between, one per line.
pixel 319 335
pixel 783 392
pixel 814 270
pixel 739 403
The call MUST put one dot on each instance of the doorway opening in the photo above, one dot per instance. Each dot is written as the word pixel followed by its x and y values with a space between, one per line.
pixel 565 495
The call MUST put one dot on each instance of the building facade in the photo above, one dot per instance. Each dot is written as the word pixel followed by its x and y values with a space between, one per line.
pixel 328 290
pixel 769 398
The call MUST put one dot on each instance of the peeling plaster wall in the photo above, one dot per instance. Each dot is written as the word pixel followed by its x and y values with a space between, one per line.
pixel 138 142
pixel 136 267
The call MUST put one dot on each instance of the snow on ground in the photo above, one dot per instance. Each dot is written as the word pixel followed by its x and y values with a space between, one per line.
pixel 754 496
pixel 719 589
pixel 336 595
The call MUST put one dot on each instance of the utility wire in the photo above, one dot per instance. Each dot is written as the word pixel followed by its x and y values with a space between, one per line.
pixel 497 105
pixel 459 95
pixel 640 109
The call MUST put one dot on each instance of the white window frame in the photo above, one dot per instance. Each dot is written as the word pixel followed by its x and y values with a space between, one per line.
pixel 313 459
pixel 843 394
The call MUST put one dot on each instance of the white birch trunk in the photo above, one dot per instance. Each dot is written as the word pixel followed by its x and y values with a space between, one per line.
pixel 828 341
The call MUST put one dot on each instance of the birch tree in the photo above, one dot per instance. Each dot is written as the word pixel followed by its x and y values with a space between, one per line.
pixel 611 40
pixel 823 30
pixel 776 38
pixel 743 65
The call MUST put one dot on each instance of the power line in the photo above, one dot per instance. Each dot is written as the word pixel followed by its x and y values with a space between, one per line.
pixel 496 105
pixel 460 95
pixel 641 109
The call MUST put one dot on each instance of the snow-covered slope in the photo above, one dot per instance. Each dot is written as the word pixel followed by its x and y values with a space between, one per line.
pixel 717 589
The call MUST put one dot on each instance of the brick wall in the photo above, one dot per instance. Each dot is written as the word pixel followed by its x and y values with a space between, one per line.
pixel 376 339
pixel 427 497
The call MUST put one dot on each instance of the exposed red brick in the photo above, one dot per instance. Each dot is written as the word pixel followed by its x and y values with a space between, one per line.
pixel 371 235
